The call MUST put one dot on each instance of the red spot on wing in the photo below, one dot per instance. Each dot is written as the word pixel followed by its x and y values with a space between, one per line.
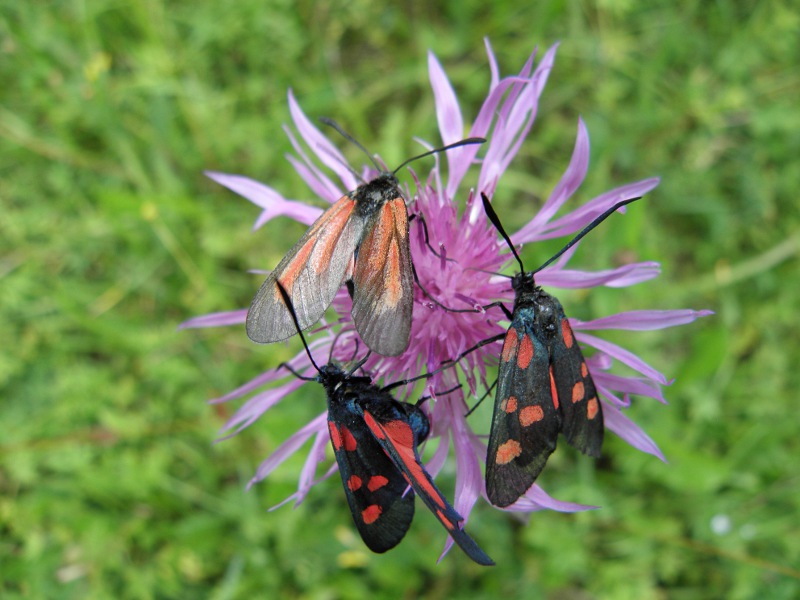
pixel 354 483
pixel 566 331
pixel 509 345
pixel 371 513
pixel 349 441
pixel 525 355
pixel 553 390
pixel 584 370
pixel 592 408
pixel 507 452
pixel 376 482
pixel 509 404
pixel 336 437
pixel 530 415
pixel 578 392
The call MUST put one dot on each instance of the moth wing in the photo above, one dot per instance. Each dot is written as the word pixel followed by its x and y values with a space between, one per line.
pixel 399 441
pixel 311 272
pixel 375 489
pixel 582 415
pixel 526 421
pixel 383 294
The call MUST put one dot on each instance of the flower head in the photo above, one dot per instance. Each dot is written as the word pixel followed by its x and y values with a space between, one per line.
pixel 454 266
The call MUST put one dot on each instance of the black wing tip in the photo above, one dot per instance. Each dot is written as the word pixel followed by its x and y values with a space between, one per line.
pixel 471 548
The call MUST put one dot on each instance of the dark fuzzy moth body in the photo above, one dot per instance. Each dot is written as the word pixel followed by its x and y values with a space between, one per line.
pixel 544 387
pixel 375 440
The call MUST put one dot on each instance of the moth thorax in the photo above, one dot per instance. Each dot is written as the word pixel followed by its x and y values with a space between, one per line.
pixel 420 424
pixel 370 197
pixel 547 313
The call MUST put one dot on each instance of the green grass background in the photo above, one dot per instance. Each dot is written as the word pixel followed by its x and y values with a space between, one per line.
pixel 110 486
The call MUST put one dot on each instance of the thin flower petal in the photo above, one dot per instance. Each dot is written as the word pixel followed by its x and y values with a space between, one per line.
pixel 273 203
pixel 623 276
pixel 219 319
pixel 448 113
pixel 570 181
pixel 315 179
pixel 629 431
pixel 537 499
pixel 643 320
pixel 622 355
pixel 326 152
pixel 289 447
pixel 628 385
pixel 257 406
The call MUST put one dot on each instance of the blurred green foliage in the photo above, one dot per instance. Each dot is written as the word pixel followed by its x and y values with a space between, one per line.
pixel 110 236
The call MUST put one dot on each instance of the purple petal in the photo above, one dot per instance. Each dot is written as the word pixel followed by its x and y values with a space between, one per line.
pixel 327 153
pixel 251 410
pixel 628 385
pixel 622 355
pixel 629 431
pixel 623 276
pixel 218 319
pixel 274 204
pixel 570 181
pixel 448 113
pixel 493 68
pixel 309 471
pixel 248 387
pixel 586 213
pixel 319 183
pixel 298 497
pixel 289 447
pixel 537 499
pixel 643 320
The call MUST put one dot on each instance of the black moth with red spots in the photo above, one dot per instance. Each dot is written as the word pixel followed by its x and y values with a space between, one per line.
pixel 543 387
pixel 543 384
pixel 375 440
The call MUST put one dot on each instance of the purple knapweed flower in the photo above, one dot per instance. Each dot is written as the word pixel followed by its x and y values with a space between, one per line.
pixel 458 275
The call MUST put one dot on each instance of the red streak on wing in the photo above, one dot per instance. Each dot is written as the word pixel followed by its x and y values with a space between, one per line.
pixel 553 390
pixel 349 441
pixel 566 330
pixel 509 345
pixel 401 437
pixel 525 355
pixel 336 437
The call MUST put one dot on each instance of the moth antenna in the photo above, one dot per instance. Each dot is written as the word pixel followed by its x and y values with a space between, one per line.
pixel 587 229
pixel 489 272
pixel 288 302
pixel 464 142
pixel 339 160
pixel 359 364
pixel 351 139
pixel 487 207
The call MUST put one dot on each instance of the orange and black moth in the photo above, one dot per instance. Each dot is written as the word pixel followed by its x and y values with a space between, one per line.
pixel 362 239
